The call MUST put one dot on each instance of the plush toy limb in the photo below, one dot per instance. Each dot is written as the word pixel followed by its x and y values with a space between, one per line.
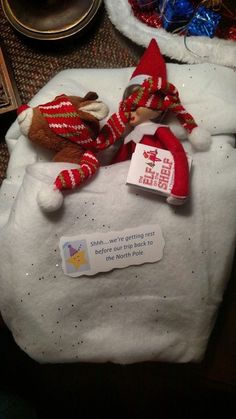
pixel 180 189
pixel 112 130
pixel 50 198
pixel 124 153
pixel 69 179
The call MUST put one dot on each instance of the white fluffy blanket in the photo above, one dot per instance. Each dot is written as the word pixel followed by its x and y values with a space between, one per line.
pixel 155 311
pixel 196 49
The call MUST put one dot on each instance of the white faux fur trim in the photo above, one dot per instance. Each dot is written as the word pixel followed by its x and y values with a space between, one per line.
pixel 137 79
pixel 204 49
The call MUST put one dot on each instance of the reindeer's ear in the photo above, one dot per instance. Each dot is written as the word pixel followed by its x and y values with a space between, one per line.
pixel 90 96
pixel 97 109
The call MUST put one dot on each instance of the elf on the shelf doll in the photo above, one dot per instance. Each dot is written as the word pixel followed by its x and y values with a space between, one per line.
pixel 150 97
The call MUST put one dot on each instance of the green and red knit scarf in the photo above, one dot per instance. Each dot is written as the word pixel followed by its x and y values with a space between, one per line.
pixel 153 93
pixel 63 119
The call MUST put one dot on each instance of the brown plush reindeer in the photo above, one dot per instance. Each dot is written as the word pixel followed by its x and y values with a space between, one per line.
pixel 69 126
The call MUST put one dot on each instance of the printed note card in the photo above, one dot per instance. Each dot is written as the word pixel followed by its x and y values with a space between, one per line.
pixel 88 254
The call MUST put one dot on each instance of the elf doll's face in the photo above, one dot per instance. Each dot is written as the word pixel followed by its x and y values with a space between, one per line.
pixel 141 114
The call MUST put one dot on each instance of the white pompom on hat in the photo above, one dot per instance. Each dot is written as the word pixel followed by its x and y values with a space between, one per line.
pixel 200 138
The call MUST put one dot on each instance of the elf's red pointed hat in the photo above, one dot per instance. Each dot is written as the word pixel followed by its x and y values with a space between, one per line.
pixel 151 64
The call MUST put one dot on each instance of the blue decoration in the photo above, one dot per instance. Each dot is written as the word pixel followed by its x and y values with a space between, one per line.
pixel 204 22
pixel 175 13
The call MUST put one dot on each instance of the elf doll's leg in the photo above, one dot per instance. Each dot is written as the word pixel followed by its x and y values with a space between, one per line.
pixel 180 189
pixel 124 153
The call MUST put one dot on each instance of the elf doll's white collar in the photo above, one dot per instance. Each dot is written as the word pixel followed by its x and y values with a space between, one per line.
pixel 199 48
pixel 146 128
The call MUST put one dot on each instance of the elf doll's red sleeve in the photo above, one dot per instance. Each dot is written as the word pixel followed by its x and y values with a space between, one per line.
pixel 169 142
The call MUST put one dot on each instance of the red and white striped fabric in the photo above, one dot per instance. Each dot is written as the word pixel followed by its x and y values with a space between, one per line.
pixel 154 93
pixel 63 119
pixel 69 179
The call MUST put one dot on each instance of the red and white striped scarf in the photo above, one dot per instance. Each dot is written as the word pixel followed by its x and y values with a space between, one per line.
pixel 154 93
pixel 63 119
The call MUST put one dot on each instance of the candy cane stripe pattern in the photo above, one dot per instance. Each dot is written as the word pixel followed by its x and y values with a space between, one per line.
pixel 69 179
pixel 152 90
pixel 63 119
